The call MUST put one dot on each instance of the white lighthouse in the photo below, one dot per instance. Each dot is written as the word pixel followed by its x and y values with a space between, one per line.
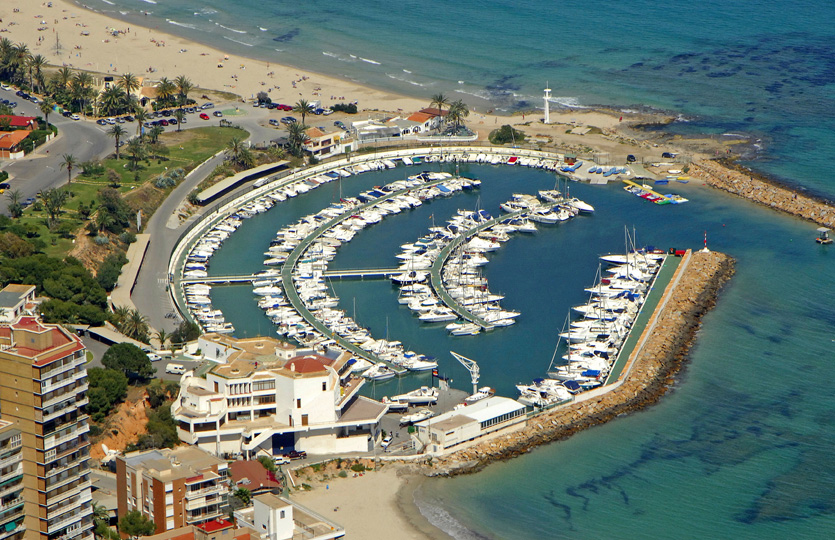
pixel 547 119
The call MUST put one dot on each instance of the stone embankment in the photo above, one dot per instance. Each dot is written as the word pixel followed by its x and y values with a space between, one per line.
pixel 764 192
pixel 651 376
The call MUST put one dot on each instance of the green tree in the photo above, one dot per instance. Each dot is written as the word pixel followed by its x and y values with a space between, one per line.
pixel 141 117
pixel 302 107
pixel 165 90
pixel 117 132
pixel 112 101
pixel 128 359
pixel 187 331
pixel 179 114
pixel 137 152
pixel 108 387
pixel 161 429
pixel 506 134
pixel 134 524
pixel 162 337
pixel 243 495
pixel 457 112
pixel 184 86
pixel 128 82
pixel 297 137
pixel 68 162
pixel 238 153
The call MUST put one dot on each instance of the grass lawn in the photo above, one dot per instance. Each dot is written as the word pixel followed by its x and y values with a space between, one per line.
pixel 187 149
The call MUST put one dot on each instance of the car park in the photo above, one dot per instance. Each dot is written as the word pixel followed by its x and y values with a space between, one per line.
pixel 288 120
pixel 218 114
pixel 204 116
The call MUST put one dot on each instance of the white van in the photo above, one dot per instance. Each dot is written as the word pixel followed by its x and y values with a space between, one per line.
pixel 176 369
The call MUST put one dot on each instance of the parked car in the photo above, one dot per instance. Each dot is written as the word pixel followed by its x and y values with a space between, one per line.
pixel 281 460
pixel 75 117
pixel 5 87
pixel 101 122
pixel 207 105
pixel 387 441
pixel 4 186
pixel 318 112
pixel 218 114
pixel 295 454
pixel 172 121
pixel 630 159
pixel 340 124
pixel 176 369
pixel 28 202
pixel 273 122
pixel 153 357
pixel 288 120
pixel 65 114
pixel 668 155
pixel 204 116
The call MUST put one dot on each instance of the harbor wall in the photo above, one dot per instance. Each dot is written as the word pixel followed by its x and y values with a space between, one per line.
pixel 739 181
pixel 665 349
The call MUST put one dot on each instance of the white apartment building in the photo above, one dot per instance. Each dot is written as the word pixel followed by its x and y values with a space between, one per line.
pixel 261 401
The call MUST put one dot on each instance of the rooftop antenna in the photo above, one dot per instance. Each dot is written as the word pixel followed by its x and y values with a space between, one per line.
pixel 471 366
pixel 547 98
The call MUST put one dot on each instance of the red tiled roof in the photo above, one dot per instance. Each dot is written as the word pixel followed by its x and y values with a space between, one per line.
pixel 421 117
pixel 195 478
pixel 310 363
pixel 258 476
pixel 215 525
pixel 18 121
pixel 10 139
pixel 434 111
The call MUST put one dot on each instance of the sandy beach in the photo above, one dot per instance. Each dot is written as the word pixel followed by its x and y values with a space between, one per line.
pixel 376 506
pixel 94 42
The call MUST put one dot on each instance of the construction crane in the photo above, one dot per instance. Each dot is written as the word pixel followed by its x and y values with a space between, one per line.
pixel 471 366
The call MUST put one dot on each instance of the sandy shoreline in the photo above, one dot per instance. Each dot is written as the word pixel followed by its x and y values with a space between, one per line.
pixel 376 506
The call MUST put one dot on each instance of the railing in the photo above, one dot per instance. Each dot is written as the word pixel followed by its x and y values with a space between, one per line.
pixel 53 440
pixel 45 388
pixel 64 367
pixel 11 504
pixel 69 504
pixel 57 399
pixel 9 460
pixel 64 494
pixel 76 517
pixel 203 492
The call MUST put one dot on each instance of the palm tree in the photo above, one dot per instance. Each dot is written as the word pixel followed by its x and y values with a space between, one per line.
pixel 81 88
pixel 238 153
pixel 302 107
pixel 162 336
pixel 53 201
pixel 135 326
pixel 117 132
pixel 64 77
pixel 457 112
pixel 165 89
pixel 141 117
pixel 46 108
pixel 68 163
pixel 155 132
pixel 120 315
pixel 101 518
pixel 128 82
pixel 36 64
pixel 297 136
pixel 112 101
pixel 179 114
pixel 14 206
pixel 136 151
pixel 439 100
pixel 184 86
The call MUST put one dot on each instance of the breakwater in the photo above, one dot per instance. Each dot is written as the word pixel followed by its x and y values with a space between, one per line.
pixel 690 295
pixel 766 192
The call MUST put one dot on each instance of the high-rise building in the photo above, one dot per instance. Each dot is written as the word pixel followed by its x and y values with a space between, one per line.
pixel 43 391
pixel 173 488
pixel 11 483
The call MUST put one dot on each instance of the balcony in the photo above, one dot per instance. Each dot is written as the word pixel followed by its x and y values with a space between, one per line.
pixel 73 403
pixel 56 526
pixel 54 385
pixel 205 491
pixel 69 504
pixel 200 518
pixel 8 534
pixel 74 490
pixel 6 461
pixel 65 367
pixel 57 399
pixel 11 473
pixel 57 439
pixel 203 502
pixel 81 458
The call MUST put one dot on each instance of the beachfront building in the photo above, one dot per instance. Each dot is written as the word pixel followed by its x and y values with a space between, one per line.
pixel 275 518
pixel 11 144
pixel 219 348
pixel 320 143
pixel 172 487
pixel 43 393
pixel 15 300
pixel 450 431
pixel 260 401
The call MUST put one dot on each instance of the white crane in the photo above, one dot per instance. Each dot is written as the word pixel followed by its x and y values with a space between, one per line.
pixel 471 366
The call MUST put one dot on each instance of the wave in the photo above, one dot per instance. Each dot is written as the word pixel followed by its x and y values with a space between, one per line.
pixel 175 23
pixel 236 41
pixel 443 520
pixel 108 2
pixel 737 135
pixel 261 28
pixel 231 29
pixel 149 1
pixel 406 71
pixel 339 56
pixel 370 61
pixel 206 11
pixel 568 102
pixel 404 79
pixel 480 95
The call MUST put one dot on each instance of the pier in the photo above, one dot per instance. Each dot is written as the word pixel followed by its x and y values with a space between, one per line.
pixel 292 294
pixel 377 273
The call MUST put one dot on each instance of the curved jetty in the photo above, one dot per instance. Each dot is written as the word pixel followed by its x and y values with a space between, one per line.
pixel 661 351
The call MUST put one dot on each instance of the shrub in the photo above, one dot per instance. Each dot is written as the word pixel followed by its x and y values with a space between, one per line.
pixel 343 474
pixel 4 175
pixel 66 230
pixel 268 463
pixel 506 134
pixel 127 237
pixel 101 240
pixel 349 108
pixel 110 269
pixel 93 167
pixel 358 467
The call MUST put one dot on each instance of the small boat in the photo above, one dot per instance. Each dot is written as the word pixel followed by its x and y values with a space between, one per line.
pixel 422 396
pixel 379 372
pixel 823 236
pixel 417 416
pixel 483 393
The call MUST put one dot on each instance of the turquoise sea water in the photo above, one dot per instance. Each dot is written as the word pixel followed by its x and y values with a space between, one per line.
pixel 742 447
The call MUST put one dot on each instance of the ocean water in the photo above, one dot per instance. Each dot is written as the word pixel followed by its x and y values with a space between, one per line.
pixel 741 448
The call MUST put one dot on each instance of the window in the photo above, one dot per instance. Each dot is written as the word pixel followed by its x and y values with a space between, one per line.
pixel 324 387
pixel 298 403
pixel 282 515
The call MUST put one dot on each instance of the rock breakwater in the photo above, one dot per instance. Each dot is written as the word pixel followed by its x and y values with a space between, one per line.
pixel 690 296
pixel 764 191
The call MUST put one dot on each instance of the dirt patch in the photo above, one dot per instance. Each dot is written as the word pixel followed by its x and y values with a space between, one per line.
pixel 146 198
pixel 124 426
pixel 91 254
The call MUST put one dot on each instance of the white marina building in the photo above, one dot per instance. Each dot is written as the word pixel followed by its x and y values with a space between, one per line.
pixel 263 399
